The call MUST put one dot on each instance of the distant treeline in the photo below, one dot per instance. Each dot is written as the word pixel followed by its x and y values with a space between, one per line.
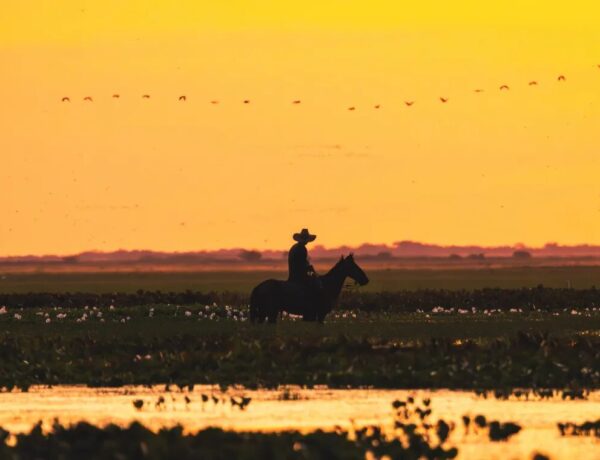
pixel 540 298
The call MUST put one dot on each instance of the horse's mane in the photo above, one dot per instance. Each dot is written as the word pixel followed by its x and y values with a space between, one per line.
pixel 337 264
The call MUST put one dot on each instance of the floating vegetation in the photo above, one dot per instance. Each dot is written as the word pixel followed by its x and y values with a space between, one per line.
pixel 581 429
pixel 534 393
pixel 414 436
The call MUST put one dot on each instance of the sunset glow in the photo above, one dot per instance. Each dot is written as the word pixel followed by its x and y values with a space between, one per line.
pixel 171 173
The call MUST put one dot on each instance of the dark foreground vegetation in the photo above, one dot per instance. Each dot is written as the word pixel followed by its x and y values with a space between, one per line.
pixel 413 436
pixel 215 345
pixel 527 299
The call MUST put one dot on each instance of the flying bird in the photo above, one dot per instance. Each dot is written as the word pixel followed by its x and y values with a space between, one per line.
pixel 246 101
pixel 65 99
pixel 479 91
pixel 116 96
pixel 88 98
pixel 504 87
pixel 533 83
pixel 297 101
pixel 214 102
pixel 444 99
pixel 182 98
pixel 146 96
pixel 409 103
pixel 377 106
pixel 562 78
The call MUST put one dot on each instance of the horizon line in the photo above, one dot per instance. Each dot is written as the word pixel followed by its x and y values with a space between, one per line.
pixel 320 247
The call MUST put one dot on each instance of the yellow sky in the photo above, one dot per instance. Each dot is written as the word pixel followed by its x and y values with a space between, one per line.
pixel 486 168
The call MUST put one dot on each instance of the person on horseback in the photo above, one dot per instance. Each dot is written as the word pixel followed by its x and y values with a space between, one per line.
pixel 301 272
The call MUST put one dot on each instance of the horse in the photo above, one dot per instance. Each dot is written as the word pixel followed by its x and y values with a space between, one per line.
pixel 272 296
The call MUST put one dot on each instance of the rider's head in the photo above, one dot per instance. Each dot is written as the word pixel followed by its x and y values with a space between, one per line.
pixel 304 236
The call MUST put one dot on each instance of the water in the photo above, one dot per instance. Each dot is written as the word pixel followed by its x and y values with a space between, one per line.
pixel 306 410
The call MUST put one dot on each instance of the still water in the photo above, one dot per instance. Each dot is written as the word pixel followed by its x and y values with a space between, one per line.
pixel 306 410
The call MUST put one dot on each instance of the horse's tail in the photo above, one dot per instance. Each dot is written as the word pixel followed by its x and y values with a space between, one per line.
pixel 254 308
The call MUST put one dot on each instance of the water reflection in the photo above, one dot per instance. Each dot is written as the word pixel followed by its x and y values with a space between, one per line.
pixel 306 410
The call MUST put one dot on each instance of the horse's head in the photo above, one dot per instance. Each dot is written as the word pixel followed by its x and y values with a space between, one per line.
pixel 353 270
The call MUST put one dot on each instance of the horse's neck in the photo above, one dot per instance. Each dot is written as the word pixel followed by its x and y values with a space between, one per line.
pixel 334 280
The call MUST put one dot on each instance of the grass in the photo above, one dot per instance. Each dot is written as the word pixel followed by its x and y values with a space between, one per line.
pixel 403 337
pixel 578 277
pixel 388 350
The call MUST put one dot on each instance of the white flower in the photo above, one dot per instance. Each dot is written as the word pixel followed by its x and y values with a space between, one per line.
pixel 17 316
pixel 99 315
pixel 112 307
pixel 122 320
pixel 48 320
pixel 3 310
pixel 188 313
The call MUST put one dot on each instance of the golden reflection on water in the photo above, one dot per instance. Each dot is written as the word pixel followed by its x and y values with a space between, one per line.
pixel 307 410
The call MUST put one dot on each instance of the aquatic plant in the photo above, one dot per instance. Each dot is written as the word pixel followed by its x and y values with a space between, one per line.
pixel 580 429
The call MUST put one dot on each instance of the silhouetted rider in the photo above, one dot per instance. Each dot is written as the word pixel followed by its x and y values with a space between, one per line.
pixel 301 271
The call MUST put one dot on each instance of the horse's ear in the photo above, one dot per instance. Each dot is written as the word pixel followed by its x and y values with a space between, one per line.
pixel 341 257
pixel 351 256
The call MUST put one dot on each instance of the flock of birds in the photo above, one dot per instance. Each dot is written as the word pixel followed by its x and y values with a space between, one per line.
pixel 408 103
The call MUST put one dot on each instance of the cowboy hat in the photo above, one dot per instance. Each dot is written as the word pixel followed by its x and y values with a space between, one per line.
pixel 304 236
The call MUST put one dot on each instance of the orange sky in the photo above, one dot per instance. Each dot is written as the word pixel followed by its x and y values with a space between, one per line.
pixel 489 168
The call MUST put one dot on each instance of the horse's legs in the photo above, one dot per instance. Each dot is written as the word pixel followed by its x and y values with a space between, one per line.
pixel 272 316
pixel 309 316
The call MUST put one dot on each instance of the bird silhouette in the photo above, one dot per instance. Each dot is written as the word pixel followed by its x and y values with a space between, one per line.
pixel 246 101
pixel 138 403
pixel 409 103
pixel 444 99
pixel 562 78
pixel 182 98
pixel 65 99
pixel 116 96
pixel 533 83
pixel 297 101
pixel 504 87
pixel 88 98
pixel 377 106
pixel 351 108
pixel 479 91
pixel 145 96
pixel 214 102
